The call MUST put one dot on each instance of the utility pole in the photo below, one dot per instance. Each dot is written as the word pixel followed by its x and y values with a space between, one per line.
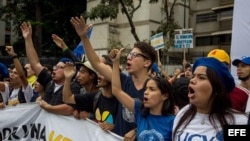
pixel 184 26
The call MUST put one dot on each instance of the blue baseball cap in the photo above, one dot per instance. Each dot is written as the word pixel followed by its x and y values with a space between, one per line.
pixel 243 59
pixel 65 59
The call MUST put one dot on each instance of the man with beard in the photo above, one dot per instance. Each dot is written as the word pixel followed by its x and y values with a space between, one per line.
pixel 240 95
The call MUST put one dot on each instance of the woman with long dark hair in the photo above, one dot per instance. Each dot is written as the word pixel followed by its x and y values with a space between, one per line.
pixel 210 106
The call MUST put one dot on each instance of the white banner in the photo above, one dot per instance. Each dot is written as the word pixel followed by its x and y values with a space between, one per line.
pixel 241 32
pixel 28 122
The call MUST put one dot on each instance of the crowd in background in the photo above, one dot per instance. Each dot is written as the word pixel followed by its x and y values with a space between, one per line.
pixel 196 101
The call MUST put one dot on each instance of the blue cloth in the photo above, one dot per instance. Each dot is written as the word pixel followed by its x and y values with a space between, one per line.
pixel 153 127
pixel 4 71
pixel 220 69
pixel 154 68
pixel 79 50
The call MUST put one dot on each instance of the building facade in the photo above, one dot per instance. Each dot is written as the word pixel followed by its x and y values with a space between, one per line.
pixel 211 21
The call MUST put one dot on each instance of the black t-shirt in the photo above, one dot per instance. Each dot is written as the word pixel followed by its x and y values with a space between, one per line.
pixel 105 108
pixel 51 97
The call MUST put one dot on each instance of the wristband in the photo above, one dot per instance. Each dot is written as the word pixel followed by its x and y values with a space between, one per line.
pixel 14 56
pixel 66 49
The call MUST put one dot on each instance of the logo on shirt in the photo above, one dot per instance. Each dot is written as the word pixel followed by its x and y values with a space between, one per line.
pixel 127 115
pixel 150 135
pixel 105 116
pixel 186 136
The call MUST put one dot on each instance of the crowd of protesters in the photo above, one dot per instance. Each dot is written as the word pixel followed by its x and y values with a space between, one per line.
pixel 147 103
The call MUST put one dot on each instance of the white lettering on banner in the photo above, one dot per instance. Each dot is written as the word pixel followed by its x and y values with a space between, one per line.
pixel 26 122
pixel 183 38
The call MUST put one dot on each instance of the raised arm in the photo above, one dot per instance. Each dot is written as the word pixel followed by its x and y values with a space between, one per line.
pixel 117 91
pixel 29 47
pixel 18 65
pixel 69 72
pixel 82 29
pixel 62 45
pixel 61 109
pixel 163 71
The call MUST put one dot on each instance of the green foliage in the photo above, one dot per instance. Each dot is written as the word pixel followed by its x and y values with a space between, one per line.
pixel 114 43
pixel 168 25
pixel 168 32
pixel 102 11
pixel 47 17
pixel 117 44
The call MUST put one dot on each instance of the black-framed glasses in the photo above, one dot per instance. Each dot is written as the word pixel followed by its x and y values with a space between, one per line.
pixel 133 55
pixel 58 67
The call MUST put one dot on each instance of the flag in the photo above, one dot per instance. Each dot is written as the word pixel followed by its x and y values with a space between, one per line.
pixel 79 50
pixel 240 33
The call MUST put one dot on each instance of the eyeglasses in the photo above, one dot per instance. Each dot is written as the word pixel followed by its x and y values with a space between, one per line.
pixel 133 55
pixel 58 67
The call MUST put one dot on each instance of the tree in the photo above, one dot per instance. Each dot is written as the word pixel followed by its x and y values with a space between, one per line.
pixel 47 17
pixel 109 9
pixel 168 25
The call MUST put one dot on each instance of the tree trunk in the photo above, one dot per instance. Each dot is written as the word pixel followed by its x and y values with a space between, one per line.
pixel 38 31
pixel 131 23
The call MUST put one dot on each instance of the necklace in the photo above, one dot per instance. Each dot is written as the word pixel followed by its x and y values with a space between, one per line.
pixel 203 119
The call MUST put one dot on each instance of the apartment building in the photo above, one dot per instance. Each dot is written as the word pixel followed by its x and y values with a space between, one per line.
pixel 211 21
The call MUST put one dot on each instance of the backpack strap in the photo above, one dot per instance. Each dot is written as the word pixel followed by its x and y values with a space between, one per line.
pixel 21 97
pixel 1 98
pixel 96 98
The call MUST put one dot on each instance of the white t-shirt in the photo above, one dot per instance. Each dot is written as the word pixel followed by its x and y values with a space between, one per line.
pixel 28 93
pixel 200 129
pixel 6 93
pixel 57 87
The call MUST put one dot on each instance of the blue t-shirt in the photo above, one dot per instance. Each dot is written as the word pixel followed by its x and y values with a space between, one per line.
pixel 125 120
pixel 153 127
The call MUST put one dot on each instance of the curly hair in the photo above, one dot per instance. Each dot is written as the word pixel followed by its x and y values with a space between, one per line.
pixel 147 50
